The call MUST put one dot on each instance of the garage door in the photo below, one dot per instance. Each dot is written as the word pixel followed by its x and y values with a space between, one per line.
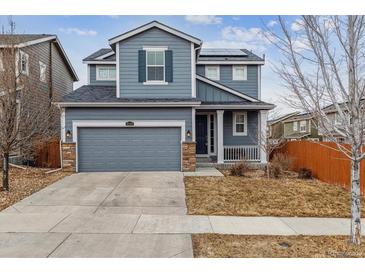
pixel 129 149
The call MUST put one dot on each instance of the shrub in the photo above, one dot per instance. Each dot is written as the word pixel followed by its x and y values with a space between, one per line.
pixel 305 173
pixel 239 169
pixel 275 169
pixel 283 160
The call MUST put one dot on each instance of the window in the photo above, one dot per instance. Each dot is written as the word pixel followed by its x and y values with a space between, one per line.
pixel 295 126
pixel 155 65
pixel 212 72
pixel 239 123
pixel 303 126
pixel 239 73
pixel 42 71
pixel 105 73
pixel 1 62
pixel 24 63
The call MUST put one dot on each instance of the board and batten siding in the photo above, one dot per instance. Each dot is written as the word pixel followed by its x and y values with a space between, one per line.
pixel 252 127
pixel 180 87
pixel 132 114
pixel 248 87
pixel 93 81
pixel 209 93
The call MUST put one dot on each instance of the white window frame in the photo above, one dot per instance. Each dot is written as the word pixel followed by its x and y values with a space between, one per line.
pixel 234 73
pixel 21 54
pixel 295 126
pixel 234 123
pixel 105 79
pixel 303 124
pixel 156 82
pixel 42 78
pixel 218 72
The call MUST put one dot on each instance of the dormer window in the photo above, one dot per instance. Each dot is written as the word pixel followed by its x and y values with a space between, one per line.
pixel 212 72
pixel 155 65
pixel 105 73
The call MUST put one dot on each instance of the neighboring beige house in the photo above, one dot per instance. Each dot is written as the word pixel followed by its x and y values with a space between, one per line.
pixel 300 126
pixel 276 127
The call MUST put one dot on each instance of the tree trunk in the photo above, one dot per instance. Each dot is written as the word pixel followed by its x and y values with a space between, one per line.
pixel 6 172
pixel 355 203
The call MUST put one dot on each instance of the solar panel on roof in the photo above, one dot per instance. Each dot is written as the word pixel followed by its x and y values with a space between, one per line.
pixel 222 52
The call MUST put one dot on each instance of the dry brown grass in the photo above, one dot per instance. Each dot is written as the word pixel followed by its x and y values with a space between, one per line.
pixel 255 195
pixel 25 182
pixel 239 246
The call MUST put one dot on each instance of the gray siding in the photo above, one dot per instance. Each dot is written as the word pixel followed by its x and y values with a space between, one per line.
pixel 126 149
pixel 129 114
pixel 252 127
pixel 128 57
pixel 249 87
pixel 209 93
pixel 93 80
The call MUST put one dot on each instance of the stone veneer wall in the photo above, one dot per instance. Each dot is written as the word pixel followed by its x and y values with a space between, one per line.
pixel 69 157
pixel 188 156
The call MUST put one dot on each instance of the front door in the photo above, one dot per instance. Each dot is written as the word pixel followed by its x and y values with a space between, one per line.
pixel 201 123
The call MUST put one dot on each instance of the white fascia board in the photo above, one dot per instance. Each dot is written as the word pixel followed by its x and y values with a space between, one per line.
pixel 117 90
pixel 193 71
pixel 230 63
pixel 128 104
pixel 232 91
pixel 29 43
pixel 241 107
pixel 99 62
pixel 101 57
pixel 151 25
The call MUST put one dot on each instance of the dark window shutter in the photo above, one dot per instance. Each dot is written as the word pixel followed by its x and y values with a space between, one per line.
pixel 168 66
pixel 141 66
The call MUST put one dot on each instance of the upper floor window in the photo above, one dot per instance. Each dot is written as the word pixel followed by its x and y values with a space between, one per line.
pixel 239 73
pixel 42 71
pixel 212 72
pixel 295 126
pixel 24 63
pixel 155 64
pixel 105 73
pixel 303 126
pixel 239 123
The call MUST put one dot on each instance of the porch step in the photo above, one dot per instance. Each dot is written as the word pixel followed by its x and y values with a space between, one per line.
pixel 204 164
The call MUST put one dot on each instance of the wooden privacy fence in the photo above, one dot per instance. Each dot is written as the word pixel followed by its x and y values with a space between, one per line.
pixel 48 154
pixel 324 160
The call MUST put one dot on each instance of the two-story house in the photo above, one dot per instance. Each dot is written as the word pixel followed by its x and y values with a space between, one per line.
pixel 300 126
pixel 275 127
pixel 155 100
pixel 42 62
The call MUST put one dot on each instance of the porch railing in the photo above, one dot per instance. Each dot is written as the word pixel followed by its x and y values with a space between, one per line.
pixel 239 153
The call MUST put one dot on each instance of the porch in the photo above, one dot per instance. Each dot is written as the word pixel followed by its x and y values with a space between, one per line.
pixel 229 136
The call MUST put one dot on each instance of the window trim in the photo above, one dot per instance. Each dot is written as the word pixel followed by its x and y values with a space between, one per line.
pixel 234 73
pixel 295 126
pixel 40 72
pixel 1 62
pixel 97 78
pixel 218 72
pixel 22 53
pixel 234 123
pixel 300 126
pixel 156 82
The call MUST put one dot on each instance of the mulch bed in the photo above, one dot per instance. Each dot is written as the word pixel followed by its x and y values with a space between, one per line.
pixel 25 182
pixel 238 246
pixel 255 195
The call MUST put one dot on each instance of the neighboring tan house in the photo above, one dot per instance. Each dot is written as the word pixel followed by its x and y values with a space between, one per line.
pixel 43 61
pixel 276 127
pixel 300 126
pixel 155 100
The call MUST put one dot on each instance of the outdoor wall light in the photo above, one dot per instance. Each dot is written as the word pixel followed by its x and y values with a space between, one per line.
pixel 68 133
pixel 188 133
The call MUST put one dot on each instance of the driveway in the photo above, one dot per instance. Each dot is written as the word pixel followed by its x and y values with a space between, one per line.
pixel 100 215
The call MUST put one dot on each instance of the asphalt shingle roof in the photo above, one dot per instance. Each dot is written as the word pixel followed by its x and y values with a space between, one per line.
pixel 22 38
pixel 99 53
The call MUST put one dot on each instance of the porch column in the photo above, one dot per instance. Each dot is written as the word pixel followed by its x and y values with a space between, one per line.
pixel 220 150
pixel 262 136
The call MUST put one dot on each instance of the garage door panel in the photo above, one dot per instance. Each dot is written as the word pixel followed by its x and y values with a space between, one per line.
pixel 126 149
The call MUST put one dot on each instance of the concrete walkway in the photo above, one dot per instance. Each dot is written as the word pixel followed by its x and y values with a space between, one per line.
pixel 128 215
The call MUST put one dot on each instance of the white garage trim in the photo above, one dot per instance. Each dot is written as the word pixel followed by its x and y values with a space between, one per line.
pixel 122 124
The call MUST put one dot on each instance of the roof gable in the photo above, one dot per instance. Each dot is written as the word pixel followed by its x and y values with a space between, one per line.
pixel 154 24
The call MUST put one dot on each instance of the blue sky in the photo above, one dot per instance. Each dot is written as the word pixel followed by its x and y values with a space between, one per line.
pixel 82 35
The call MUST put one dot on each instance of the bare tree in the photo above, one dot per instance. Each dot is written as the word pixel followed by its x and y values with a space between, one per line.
pixel 23 119
pixel 323 63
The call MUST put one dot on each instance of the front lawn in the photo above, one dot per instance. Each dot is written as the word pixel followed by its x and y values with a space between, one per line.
pixel 239 246
pixel 25 182
pixel 255 195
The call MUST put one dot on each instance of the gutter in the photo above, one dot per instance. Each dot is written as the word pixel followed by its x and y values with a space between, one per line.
pixel 127 104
